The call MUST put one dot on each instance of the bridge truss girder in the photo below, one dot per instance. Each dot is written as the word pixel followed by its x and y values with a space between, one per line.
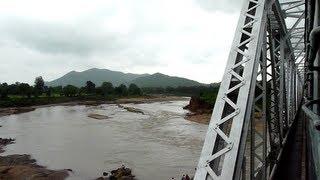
pixel 259 94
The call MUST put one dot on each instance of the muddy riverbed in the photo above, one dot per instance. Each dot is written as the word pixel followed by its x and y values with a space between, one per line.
pixel 158 143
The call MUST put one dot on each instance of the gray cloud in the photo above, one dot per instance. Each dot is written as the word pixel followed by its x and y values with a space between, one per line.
pixel 173 37
pixel 220 5
pixel 57 38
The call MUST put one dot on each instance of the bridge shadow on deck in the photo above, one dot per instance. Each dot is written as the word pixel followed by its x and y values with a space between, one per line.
pixel 292 165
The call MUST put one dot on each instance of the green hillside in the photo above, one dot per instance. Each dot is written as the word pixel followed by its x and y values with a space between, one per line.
pixel 98 76
pixel 162 80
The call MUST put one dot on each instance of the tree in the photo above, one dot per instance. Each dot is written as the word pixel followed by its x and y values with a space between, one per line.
pixel 134 90
pixel 4 90
pixel 81 91
pixel 57 90
pixel 121 90
pixel 106 88
pixel 99 91
pixel 48 91
pixel 13 88
pixel 70 90
pixel 38 86
pixel 25 89
pixel 169 89
pixel 90 87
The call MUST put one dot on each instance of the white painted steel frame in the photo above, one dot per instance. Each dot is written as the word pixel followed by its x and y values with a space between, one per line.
pixel 261 64
pixel 251 25
pixel 258 137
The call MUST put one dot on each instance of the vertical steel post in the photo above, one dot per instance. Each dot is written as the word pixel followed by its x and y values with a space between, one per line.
pixel 258 140
pixel 222 153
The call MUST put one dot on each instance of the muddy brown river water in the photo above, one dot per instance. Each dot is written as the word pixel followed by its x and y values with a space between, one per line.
pixel 159 144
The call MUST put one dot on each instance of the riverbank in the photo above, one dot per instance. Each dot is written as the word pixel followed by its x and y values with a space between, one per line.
pixel 15 110
pixel 203 118
pixel 24 167
pixel 127 100
pixel 121 173
pixel 200 111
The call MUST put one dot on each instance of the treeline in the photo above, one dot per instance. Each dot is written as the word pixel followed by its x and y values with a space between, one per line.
pixel 23 94
pixel 181 90
pixel 39 89
pixel 22 89
pixel 90 89
pixel 206 93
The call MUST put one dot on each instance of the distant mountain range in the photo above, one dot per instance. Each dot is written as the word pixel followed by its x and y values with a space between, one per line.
pixel 98 76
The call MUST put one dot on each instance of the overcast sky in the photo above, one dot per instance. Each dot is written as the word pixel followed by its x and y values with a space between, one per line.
pixel 187 38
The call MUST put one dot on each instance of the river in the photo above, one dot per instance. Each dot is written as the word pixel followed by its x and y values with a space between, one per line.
pixel 159 144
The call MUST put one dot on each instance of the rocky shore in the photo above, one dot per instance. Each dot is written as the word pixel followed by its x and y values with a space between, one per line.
pixel 131 109
pixel 121 173
pixel 22 166
pixel 200 111
pixel 97 116
pixel 4 142
pixel 16 167
pixel 15 110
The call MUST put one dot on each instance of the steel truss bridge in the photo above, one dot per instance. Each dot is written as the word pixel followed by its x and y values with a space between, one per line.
pixel 269 94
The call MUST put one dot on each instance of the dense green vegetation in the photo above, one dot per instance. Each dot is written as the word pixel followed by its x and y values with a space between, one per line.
pixel 205 93
pixel 22 94
pixel 98 76
pixel 209 95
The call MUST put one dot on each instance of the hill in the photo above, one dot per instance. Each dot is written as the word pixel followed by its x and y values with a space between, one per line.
pixel 162 80
pixel 98 76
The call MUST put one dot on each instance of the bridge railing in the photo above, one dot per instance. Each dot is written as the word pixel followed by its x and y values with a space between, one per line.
pixel 311 108
pixel 313 138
